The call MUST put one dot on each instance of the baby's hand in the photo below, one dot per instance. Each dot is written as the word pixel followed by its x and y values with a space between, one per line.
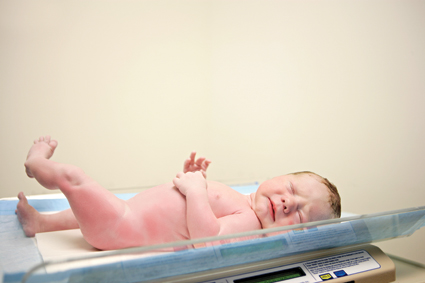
pixel 201 164
pixel 190 181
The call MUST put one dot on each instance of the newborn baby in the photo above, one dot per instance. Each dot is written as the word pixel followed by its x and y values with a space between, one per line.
pixel 189 207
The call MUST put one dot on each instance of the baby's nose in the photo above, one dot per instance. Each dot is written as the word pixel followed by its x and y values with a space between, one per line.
pixel 287 205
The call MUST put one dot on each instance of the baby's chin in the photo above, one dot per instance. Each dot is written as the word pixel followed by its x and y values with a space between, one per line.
pixel 265 224
pixel 263 221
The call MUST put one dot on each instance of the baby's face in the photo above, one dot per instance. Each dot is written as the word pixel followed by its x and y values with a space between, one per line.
pixel 291 199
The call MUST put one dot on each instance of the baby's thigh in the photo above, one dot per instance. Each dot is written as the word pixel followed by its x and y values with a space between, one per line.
pixel 160 214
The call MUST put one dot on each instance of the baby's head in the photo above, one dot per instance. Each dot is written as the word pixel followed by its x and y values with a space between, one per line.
pixel 334 198
pixel 296 198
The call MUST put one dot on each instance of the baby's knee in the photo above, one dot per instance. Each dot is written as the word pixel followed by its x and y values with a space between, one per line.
pixel 71 176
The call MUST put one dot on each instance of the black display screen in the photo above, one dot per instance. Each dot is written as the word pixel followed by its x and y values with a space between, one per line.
pixel 272 277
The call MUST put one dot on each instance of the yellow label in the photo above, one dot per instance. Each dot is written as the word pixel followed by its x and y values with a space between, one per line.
pixel 326 276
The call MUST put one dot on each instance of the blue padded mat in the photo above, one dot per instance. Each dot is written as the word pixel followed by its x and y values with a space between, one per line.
pixel 7 207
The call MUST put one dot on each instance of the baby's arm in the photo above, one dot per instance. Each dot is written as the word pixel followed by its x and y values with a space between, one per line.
pixel 201 221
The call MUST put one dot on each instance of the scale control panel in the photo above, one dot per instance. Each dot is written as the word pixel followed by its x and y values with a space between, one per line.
pixel 310 271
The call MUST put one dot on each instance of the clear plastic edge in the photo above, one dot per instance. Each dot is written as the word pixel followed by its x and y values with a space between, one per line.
pixel 373 228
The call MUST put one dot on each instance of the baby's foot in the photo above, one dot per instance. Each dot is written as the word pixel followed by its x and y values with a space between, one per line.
pixel 43 147
pixel 28 216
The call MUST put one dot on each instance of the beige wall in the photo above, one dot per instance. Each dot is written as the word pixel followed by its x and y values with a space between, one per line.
pixel 263 88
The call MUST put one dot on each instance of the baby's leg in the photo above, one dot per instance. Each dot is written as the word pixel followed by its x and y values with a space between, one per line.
pixel 34 222
pixel 99 213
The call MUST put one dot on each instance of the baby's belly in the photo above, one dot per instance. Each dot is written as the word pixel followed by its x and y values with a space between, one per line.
pixel 160 215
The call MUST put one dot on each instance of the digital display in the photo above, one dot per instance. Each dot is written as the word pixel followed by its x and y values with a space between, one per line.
pixel 272 277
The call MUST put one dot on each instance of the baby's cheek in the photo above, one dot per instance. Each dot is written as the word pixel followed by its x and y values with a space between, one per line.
pixel 290 221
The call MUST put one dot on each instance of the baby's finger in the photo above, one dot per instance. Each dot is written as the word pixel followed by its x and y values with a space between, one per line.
pixel 186 165
pixel 200 161
pixel 205 164
pixel 204 173
pixel 192 156
pixel 189 162
pixel 177 183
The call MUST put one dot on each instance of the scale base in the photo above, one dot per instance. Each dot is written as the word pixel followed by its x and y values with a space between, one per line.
pixel 354 264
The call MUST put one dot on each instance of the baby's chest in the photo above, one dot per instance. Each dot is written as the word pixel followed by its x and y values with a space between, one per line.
pixel 223 203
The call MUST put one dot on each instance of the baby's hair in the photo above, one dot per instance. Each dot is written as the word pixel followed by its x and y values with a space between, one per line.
pixel 334 198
